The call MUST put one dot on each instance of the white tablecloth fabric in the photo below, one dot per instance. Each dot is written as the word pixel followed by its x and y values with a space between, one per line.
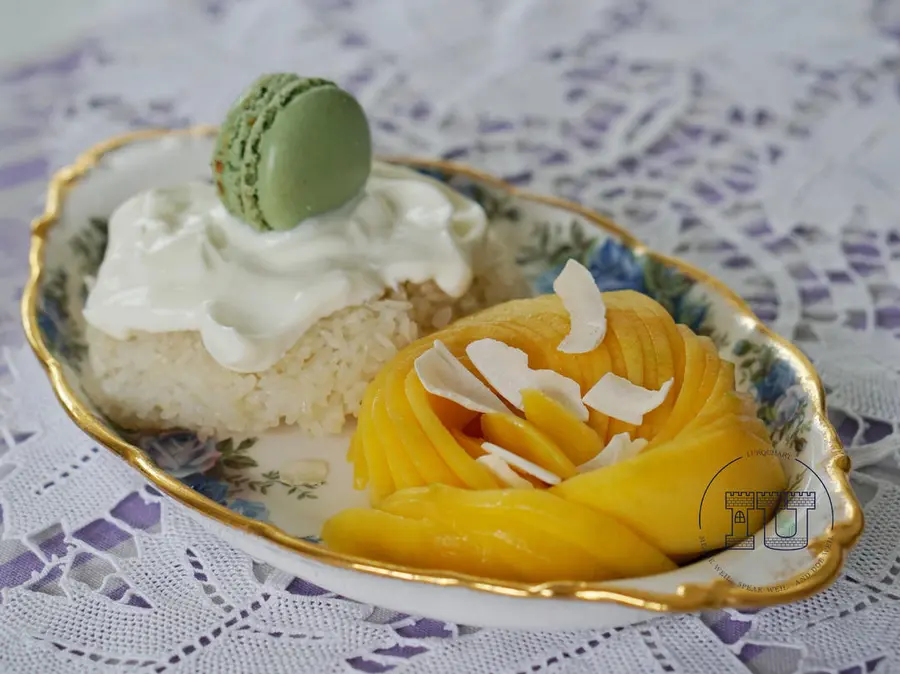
pixel 759 140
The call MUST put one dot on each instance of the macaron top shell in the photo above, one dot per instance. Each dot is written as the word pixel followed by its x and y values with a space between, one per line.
pixel 315 157
pixel 291 148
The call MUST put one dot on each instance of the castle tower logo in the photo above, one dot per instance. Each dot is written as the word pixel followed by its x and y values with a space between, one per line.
pixel 787 530
pixel 735 513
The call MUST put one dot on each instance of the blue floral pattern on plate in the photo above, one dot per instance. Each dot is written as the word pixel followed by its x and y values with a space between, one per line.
pixel 180 453
pixel 614 266
pixel 208 466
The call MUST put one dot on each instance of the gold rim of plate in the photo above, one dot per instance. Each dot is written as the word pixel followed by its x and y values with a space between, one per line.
pixel 829 549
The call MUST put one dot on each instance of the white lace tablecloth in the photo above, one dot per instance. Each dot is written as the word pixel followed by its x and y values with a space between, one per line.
pixel 760 140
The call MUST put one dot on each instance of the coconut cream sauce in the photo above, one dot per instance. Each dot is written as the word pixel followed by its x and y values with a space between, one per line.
pixel 177 260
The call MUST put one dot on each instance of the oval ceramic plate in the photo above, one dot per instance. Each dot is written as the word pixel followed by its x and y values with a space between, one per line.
pixel 235 487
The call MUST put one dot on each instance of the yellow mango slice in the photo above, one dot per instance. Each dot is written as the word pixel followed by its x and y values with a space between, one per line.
pixel 653 325
pixel 523 309
pixel 398 452
pixel 651 420
pixel 622 336
pixel 729 404
pixel 723 384
pixel 523 438
pixel 400 430
pixel 661 324
pixel 620 554
pixel 665 371
pixel 375 534
pixel 493 533
pixel 651 370
pixel 594 365
pixel 545 355
pixel 471 445
pixel 451 414
pixel 541 355
pixel 621 324
pixel 578 441
pixel 584 368
pixel 712 374
pixel 701 368
pixel 458 336
pixel 347 532
pixel 442 444
pixel 429 461
pixel 617 367
pixel 403 437
pixel 721 401
pixel 353 448
pixel 377 468
pixel 659 494
pixel 356 456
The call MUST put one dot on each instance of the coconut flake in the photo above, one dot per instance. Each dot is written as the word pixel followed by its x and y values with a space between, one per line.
pixel 506 369
pixel 523 465
pixel 618 398
pixel 503 472
pixel 576 288
pixel 619 448
pixel 304 471
pixel 443 375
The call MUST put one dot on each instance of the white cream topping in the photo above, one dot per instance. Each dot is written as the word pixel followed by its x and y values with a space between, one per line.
pixel 176 260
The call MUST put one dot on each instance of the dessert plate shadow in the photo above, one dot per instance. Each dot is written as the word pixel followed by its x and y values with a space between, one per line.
pixel 250 492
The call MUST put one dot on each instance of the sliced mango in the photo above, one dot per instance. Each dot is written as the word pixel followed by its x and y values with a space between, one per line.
pixel 578 441
pixel 437 507
pixel 651 420
pixel 356 455
pixel 659 494
pixel 451 414
pixel 397 451
pixel 621 333
pixel 555 539
pixel 441 444
pixel 375 534
pixel 662 326
pixel 523 438
pixel 493 533
pixel 430 462
pixel 701 368
pixel 378 472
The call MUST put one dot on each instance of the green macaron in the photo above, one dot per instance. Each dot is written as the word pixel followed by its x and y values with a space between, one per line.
pixel 291 148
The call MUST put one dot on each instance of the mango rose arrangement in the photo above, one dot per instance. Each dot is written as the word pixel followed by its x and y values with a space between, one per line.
pixel 572 436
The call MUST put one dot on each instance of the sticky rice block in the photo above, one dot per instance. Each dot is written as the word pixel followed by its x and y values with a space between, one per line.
pixel 168 380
